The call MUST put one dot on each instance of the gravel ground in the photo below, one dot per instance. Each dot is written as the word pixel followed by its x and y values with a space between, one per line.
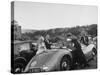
pixel 92 65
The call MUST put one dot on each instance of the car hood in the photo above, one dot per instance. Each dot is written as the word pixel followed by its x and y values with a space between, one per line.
pixel 42 58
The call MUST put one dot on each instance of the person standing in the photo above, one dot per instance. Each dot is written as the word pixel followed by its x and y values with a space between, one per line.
pixel 77 53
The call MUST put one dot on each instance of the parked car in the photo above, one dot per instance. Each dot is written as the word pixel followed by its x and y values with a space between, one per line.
pixel 56 59
pixel 50 60
pixel 23 52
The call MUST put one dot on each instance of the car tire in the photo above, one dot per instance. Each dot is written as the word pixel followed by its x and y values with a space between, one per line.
pixel 65 64
pixel 18 68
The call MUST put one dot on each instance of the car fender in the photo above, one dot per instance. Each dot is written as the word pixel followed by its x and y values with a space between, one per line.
pixel 20 60
pixel 61 55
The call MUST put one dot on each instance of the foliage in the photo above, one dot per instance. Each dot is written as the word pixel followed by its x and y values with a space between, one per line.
pixel 59 34
pixel 92 30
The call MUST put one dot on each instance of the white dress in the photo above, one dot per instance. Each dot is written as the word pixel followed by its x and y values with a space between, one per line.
pixel 41 48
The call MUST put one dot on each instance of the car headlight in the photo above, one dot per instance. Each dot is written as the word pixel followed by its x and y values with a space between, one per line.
pixel 33 63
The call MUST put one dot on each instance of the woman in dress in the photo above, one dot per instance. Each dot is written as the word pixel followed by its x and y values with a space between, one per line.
pixel 41 45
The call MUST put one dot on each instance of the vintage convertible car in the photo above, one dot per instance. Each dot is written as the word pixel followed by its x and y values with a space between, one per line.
pixel 50 60
pixel 23 53
pixel 56 59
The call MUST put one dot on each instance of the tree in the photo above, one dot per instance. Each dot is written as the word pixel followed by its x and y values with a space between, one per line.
pixel 74 31
pixel 92 30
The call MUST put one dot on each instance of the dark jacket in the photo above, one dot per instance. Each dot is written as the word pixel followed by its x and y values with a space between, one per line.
pixel 84 40
pixel 78 53
pixel 47 44
pixel 76 43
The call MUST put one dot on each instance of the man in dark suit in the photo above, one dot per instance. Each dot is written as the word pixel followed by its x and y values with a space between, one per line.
pixel 47 42
pixel 77 53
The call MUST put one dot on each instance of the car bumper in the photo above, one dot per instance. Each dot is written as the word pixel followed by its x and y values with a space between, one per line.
pixel 35 70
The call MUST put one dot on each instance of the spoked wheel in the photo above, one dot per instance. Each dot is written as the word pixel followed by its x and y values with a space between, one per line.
pixel 65 64
pixel 18 68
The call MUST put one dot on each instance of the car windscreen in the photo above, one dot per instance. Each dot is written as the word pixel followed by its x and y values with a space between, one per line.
pixel 25 46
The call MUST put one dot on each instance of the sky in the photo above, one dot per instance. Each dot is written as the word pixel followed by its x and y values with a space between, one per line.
pixel 42 16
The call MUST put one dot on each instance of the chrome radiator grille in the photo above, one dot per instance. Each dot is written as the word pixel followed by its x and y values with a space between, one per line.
pixel 34 70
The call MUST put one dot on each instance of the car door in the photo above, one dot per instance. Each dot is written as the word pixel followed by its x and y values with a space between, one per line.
pixel 87 50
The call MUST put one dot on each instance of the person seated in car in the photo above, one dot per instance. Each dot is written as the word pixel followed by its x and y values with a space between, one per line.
pixel 28 54
pixel 41 45
pixel 77 53
pixel 47 42
pixel 33 48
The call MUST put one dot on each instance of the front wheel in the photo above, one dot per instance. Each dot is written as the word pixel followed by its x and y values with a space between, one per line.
pixel 65 64
pixel 18 68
